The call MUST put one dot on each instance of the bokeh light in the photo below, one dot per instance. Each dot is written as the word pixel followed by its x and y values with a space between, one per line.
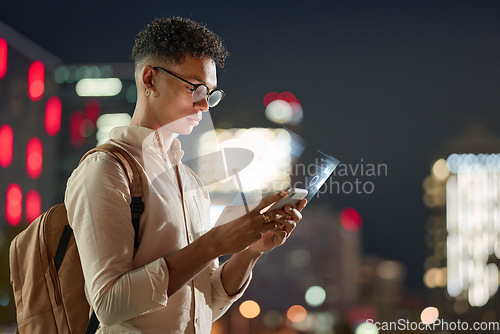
pixel 14 204
pixel 217 328
pixel 106 122
pixel 350 219
pixel 366 328
pixel 296 313
pixel 429 315
pixel 131 94
pixel 435 278
pixel 33 205
pixel 98 87
pixel 3 58
pixel 272 319
pixel 77 128
pixel 440 170
pixel 4 299
pixel 288 97
pixel 390 270
pixel 53 112
pixel 315 296
pixel 283 108
pixel 279 111
pixel 92 111
pixel 36 80
pixel 6 145
pixel 270 97
pixel 34 158
pixel 249 309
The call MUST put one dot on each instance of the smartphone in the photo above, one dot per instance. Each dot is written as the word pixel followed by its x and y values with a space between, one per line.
pixel 293 198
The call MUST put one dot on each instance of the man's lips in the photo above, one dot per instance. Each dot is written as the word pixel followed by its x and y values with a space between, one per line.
pixel 194 120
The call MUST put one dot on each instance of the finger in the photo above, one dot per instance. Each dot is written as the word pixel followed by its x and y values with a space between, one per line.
pixel 270 199
pixel 281 234
pixel 293 213
pixel 287 224
pixel 262 228
pixel 301 205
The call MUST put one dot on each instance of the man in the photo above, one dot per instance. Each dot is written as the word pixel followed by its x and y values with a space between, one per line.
pixel 172 283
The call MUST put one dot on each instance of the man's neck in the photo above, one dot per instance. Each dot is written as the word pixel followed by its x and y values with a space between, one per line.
pixel 139 119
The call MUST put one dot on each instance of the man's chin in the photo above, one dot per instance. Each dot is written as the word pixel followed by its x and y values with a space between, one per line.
pixel 181 128
pixel 184 131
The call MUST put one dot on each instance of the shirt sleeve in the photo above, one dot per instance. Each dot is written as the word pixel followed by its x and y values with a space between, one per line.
pixel 221 301
pixel 98 203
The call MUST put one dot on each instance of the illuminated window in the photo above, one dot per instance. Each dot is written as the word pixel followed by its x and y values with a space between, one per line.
pixel 14 204
pixel 36 80
pixel 53 111
pixel 6 145
pixel 34 158
pixel 3 57
pixel 33 205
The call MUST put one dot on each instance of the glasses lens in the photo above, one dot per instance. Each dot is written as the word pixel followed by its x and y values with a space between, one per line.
pixel 200 93
pixel 215 98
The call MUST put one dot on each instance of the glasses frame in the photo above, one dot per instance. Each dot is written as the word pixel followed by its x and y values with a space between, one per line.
pixel 195 87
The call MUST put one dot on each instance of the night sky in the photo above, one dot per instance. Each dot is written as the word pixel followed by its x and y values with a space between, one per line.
pixel 381 82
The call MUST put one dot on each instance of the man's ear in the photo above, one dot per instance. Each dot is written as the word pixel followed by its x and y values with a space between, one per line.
pixel 147 77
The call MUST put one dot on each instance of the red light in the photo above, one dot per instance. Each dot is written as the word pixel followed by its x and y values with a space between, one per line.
pixel 288 97
pixel 270 97
pixel 6 145
pixel 33 205
pixel 77 128
pixel 14 204
pixel 36 80
pixel 350 219
pixel 92 111
pixel 285 96
pixel 34 158
pixel 53 110
pixel 3 57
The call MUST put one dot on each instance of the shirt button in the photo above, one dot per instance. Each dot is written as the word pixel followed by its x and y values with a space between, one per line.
pixel 190 238
pixel 197 321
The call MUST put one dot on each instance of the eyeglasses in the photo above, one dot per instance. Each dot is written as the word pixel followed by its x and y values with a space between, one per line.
pixel 200 91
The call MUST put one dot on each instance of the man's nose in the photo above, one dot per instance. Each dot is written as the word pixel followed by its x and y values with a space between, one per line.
pixel 202 105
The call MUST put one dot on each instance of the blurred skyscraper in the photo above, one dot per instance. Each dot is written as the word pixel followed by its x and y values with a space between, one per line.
pixel 463 229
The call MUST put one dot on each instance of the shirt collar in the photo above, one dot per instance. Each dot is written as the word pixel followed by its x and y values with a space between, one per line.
pixel 151 139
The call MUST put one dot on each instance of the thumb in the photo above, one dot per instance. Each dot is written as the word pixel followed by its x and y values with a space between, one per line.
pixel 270 199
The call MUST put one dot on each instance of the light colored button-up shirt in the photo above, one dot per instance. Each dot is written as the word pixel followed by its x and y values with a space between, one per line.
pixel 129 291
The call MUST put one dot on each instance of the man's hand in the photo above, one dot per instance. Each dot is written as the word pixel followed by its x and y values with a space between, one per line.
pixel 285 221
pixel 248 236
pixel 239 233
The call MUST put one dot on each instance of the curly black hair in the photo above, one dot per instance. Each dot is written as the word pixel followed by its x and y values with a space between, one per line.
pixel 171 39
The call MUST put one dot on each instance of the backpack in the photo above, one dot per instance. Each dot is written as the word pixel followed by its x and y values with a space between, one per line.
pixel 45 268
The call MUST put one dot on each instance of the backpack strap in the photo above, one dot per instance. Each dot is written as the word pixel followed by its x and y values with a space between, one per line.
pixel 63 245
pixel 134 178
pixel 136 205
pixel 93 324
